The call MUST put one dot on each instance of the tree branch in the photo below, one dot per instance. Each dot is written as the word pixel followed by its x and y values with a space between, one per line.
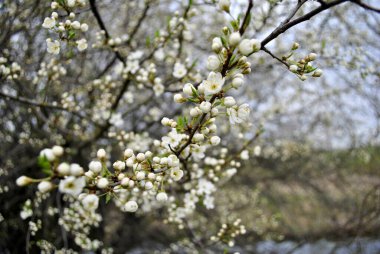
pixel 285 26
pixel 43 105
pixel 366 6
pixel 99 19
pixel 275 57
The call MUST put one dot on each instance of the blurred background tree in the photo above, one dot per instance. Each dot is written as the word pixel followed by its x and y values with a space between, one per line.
pixel 312 172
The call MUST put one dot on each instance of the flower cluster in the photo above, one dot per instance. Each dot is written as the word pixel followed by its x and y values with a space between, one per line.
pixel 228 232
pixel 66 29
pixel 9 70
pixel 150 170
pixel 304 65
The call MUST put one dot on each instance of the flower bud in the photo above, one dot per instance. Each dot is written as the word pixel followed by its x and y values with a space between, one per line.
pixel 317 73
pixel 101 154
pixel 165 121
pixel 194 112
pixel 237 82
pixel 213 63
pixel 75 25
pixel 140 175
pixel 293 68
pixel 229 101
pixel 312 56
pixel 188 89
pixel 125 181
pixel 131 206
pixel 162 197
pixel 215 140
pixel 178 98
pixel 84 27
pixel 217 44
pixel 198 137
pixel 102 183
pixel 48 154
pixel 57 151
pixel 148 185
pixel 76 170
pixel 205 106
pixel 95 166
pixel 234 38
pixel 45 186
pixel 140 157
pixel 63 169
pixel 23 181
pixel 119 165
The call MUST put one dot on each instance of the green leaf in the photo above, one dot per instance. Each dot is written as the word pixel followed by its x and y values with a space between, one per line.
pixel 323 44
pixel 195 100
pixel 105 171
pixel 247 21
pixel 71 34
pixel 108 197
pixel 224 42
pixel 195 92
pixel 310 69
pixel 180 123
pixel 147 41
pixel 217 103
pixel 235 25
pixel 61 2
pixel 157 33
pixel 194 63
pixel 44 164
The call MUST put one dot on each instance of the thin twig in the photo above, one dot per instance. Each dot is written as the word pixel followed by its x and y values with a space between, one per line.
pixel 43 105
pixel 275 57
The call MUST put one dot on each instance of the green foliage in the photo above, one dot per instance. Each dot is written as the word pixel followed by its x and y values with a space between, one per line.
pixel 181 123
pixel 45 165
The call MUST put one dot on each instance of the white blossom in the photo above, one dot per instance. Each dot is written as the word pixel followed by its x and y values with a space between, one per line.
pixel 224 5
pixel 53 47
pixel 49 23
pixel 90 202
pixel 72 185
pixel 243 111
pixel 176 174
pixel 82 44
pixel 179 70
pixel 214 83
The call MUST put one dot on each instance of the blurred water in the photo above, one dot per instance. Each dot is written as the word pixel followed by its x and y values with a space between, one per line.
pixel 362 246
pixel 356 246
